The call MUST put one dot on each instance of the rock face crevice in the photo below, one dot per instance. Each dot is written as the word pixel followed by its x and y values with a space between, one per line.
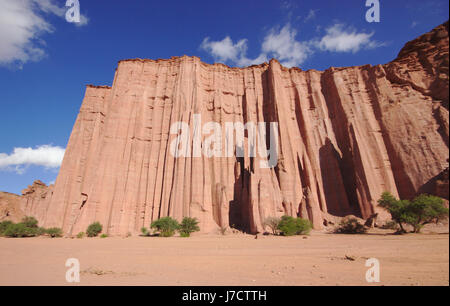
pixel 345 135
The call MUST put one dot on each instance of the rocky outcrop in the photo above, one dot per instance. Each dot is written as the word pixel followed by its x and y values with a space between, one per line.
pixel 35 200
pixel 10 207
pixel 345 135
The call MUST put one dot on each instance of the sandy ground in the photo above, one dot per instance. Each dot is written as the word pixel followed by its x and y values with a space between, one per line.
pixel 235 259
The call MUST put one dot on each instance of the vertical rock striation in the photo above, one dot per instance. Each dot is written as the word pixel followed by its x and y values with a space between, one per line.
pixel 345 135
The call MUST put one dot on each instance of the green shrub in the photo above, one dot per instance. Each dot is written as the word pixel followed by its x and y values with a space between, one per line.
pixel 145 231
pixel 19 230
pixel 188 225
pixel 30 222
pixel 54 232
pixel 166 226
pixel 422 210
pixel 103 236
pixel 350 226
pixel 290 226
pixel 40 231
pixel 272 223
pixel 80 235
pixel 392 225
pixel 3 226
pixel 94 229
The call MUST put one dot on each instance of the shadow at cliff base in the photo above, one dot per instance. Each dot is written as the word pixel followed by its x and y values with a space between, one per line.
pixel 239 207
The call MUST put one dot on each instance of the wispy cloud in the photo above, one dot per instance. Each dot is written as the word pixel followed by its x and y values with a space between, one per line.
pixel 341 39
pixel 22 25
pixel 284 45
pixel 46 155
pixel 311 15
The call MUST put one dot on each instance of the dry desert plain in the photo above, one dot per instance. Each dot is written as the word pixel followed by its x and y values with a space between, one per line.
pixel 234 259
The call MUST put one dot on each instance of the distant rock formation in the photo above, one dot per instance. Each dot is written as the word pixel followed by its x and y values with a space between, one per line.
pixel 345 136
pixel 10 207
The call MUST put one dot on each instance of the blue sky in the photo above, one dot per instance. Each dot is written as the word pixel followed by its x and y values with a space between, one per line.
pixel 45 61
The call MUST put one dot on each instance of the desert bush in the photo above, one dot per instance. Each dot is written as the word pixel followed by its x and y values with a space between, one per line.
pixel 188 225
pixel 103 236
pixel 166 226
pixel 392 225
pixel 145 231
pixel 19 230
pixel 94 229
pixel 290 226
pixel 80 235
pixel 422 210
pixel 54 232
pixel 3 226
pixel 40 231
pixel 30 222
pixel 272 223
pixel 350 226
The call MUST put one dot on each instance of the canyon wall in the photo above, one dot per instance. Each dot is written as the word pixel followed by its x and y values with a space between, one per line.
pixel 345 135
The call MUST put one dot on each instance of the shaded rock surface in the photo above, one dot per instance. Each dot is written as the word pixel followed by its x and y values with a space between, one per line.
pixel 345 136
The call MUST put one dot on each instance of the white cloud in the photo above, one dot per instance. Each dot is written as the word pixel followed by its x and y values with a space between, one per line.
pixel 283 45
pixel 225 50
pixel 280 44
pixel 22 25
pixel 339 39
pixel 46 155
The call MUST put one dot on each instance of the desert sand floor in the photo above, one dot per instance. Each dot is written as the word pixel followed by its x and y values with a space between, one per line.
pixel 235 259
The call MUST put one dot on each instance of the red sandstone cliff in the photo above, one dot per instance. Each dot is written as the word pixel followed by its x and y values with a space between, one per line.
pixel 345 136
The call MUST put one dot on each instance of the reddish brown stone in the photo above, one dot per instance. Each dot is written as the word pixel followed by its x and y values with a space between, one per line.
pixel 345 135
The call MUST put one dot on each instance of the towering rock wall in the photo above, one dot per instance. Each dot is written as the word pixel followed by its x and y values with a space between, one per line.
pixel 345 135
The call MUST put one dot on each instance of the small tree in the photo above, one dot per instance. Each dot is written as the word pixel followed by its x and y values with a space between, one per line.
pixel 395 207
pixel 188 225
pixel 54 232
pixel 166 226
pixel 294 226
pixel 272 223
pixel 424 209
pixel 350 226
pixel 94 229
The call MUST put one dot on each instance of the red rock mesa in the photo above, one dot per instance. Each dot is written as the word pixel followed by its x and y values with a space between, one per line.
pixel 345 136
